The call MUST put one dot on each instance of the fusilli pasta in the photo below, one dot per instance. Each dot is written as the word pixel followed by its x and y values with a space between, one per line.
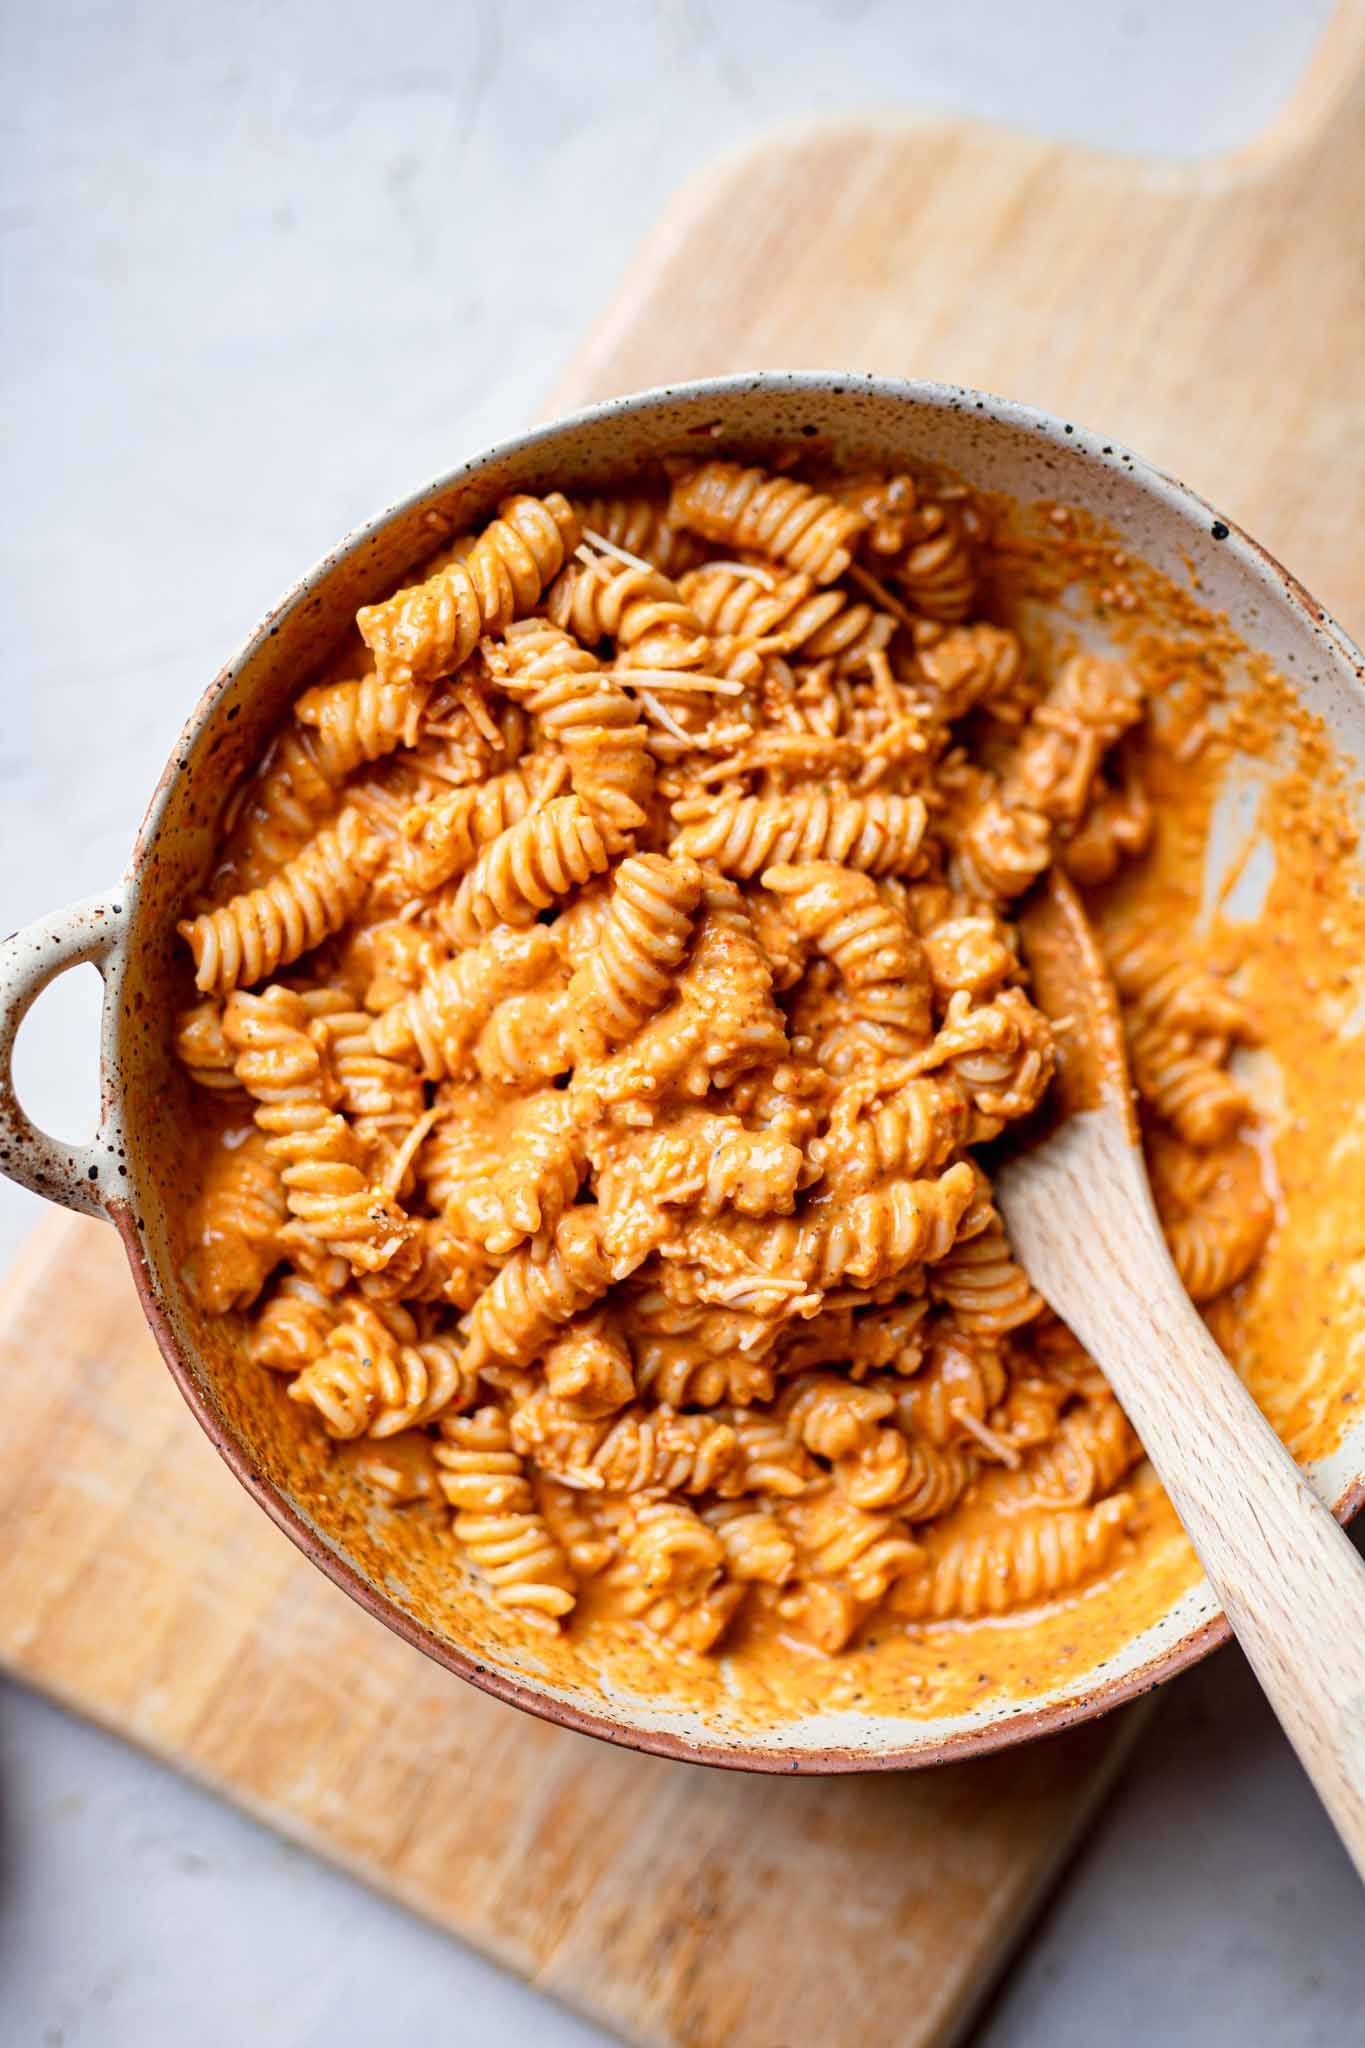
pixel 431 628
pixel 596 1008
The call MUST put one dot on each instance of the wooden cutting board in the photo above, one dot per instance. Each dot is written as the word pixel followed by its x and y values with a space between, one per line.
pixel 682 1906
pixel 1209 315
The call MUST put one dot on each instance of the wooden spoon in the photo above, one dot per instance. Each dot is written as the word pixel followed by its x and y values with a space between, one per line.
pixel 1079 1212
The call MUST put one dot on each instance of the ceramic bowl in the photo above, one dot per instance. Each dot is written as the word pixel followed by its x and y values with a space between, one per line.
pixel 136 1173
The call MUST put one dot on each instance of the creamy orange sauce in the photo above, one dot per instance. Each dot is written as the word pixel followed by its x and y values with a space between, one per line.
pixel 1286 924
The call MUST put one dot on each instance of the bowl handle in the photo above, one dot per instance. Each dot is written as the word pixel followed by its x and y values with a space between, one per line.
pixel 79 1176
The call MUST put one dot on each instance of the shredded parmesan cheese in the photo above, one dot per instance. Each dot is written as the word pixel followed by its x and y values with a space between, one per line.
pixel 609 547
pixel 751 569
pixel 407 1151
pixel 664 718
pixel 875 588
pixel 680 681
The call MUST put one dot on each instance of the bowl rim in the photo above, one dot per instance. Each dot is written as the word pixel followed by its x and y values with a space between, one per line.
pixel 1009 1726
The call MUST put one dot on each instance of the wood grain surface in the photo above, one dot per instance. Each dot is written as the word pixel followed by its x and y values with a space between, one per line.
pixel 1209 315
pixel 139 1585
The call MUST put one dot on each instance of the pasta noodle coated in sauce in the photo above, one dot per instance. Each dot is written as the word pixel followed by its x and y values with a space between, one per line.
pixel 604 999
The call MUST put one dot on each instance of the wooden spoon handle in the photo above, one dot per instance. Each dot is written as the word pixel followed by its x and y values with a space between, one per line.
pixel 1288 1577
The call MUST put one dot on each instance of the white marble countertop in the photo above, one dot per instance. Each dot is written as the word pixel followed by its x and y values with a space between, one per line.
pixel 251 253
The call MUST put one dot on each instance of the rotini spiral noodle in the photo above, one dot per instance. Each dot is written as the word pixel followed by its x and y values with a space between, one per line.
pixel 1117 826
pixel 869 1552
pixel 381 1097
pixel 918 1481
pixel 588 1546
pixel 354 722
pixel 636 1450
pixel 640 525
pixel 1048 783
pixel 640 609
pixel 539 1177
pixel 431 628
pixel 588 1367
pixel 293 1325
pixel 586 712
pixel 833 1417
pixel 446 836
pixel 681 1372
pixel 790 615
pixel 252 935
pixel 982 1285
pixel 1000 1053
pixel 644 937
pixel 938 573
pixel 496 1519
pixel 967 666
pixel 294 791
pixel 1156 985
pixel 871 1136
pixel 1094 1445
pixel 961 1382
pixel 530 1297
pixel 671 1569
pixel 903 1223
pixel 775 516
pixel 331 1199
pixel 1214 1210
pixel 439 1022
pixel 526 1038
pixel 1003 851
pixel 872 949
pixel 368 1381
pixel 522 871
pixel 757 1549
pixel 201 1048
pixel 1014 1563
pixel 879 835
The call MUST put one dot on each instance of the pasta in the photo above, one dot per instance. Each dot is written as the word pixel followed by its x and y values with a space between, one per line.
pixel 238 1221
pixel 640 524
pixel 539 1176
pixel 879 835
pixel 595 1014
pixel 333 1204
pixel 589 715
pixel 202 1049
pixel 438 1023
pixel 787 615
pixel 373 1377
pixel 496 1518
pixel 672 1572
pixel 431 628
pixel 643 939
pixel 310 898
pixel 634 1451
pixel 445 837
pixel 776 516
pixel 523 870
pixel 359 721
pixel 638 607
pixel 1013 1562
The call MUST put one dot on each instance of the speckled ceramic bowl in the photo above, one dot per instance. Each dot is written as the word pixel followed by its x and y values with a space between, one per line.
pixel 135 1171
